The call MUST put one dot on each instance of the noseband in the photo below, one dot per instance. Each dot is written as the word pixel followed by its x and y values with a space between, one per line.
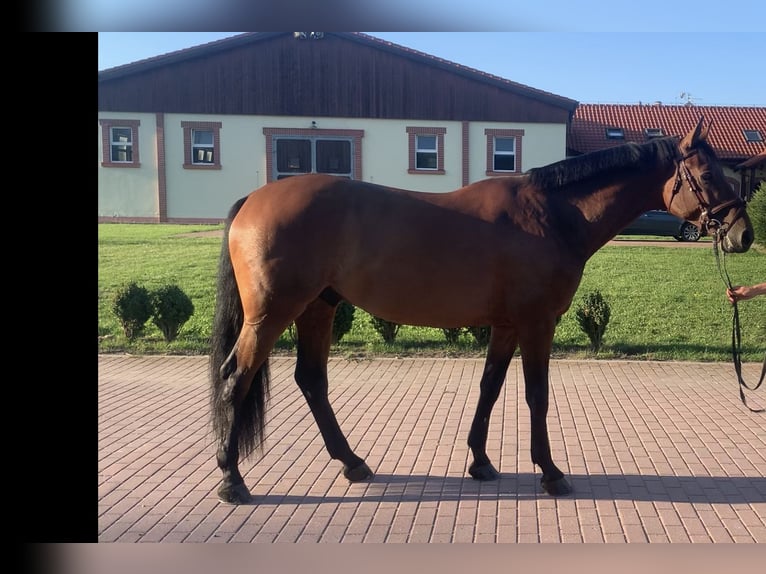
pixel 708 221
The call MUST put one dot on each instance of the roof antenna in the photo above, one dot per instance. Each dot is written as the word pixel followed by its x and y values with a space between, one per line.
pixel 688 97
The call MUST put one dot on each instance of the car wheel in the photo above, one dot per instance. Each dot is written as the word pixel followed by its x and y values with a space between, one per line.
pixel 689 232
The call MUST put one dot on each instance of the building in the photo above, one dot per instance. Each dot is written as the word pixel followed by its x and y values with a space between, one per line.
pixel 738 134
pixel 184 135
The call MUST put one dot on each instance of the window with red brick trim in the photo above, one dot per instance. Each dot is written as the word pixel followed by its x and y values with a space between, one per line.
pixel 292 151
pixel 426 150
pixel 202 145
pixel 119 143
pixel 503 151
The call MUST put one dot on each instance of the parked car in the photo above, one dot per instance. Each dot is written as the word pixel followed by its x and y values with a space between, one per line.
pixel 662 223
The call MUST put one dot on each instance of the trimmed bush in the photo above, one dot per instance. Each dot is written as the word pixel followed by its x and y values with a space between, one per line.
pixel 756 209
pixel 386 329
pixel 343 320
pixel 481 334
pixel 593 317
pixel 171 308
pixel 452 334
pixel 133 307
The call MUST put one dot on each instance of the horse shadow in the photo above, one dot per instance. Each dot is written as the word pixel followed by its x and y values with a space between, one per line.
pixel 525 486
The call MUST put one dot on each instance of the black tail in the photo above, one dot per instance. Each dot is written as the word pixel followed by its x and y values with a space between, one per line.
pixel 248 425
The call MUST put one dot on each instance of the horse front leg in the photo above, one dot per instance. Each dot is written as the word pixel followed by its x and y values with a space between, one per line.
pixel 535 345
pixel 502 344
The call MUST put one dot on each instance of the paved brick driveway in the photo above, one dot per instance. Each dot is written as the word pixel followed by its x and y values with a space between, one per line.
pixel 655 451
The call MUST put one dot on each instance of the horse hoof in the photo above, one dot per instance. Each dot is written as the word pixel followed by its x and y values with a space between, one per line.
pixel 558 487
pixel 237 494
pixel 483 472
pixel 358 473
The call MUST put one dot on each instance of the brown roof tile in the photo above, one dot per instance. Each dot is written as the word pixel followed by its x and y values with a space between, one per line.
pixel 590 121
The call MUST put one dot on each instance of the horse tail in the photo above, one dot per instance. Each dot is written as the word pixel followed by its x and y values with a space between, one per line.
pixel 248 427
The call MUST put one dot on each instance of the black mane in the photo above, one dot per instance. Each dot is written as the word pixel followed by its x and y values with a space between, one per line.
pixel 630 156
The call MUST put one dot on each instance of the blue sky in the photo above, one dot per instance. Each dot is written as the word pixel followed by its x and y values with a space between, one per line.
pixel 716 68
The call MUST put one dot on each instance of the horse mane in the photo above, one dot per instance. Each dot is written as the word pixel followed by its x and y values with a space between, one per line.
pixel 630 156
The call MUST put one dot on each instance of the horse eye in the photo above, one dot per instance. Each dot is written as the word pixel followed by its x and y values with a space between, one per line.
pixel 706 176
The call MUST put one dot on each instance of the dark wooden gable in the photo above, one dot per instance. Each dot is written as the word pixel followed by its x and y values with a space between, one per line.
pixel 341 75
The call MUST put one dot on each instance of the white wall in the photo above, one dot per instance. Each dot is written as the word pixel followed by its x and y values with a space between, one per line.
pixel 208 194
pixel 130 192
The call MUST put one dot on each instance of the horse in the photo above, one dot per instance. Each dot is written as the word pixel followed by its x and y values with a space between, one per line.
pixel 505 252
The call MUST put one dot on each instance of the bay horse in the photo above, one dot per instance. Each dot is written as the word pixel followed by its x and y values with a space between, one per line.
pixel 507 252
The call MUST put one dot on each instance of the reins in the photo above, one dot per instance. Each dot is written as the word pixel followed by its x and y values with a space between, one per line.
pixel 736 332
pixel 712 225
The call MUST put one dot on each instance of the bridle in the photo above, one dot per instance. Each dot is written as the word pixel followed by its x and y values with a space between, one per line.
pixel 708 221
pixel 710 224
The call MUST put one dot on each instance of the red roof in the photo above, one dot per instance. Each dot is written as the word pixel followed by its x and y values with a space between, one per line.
pixel 590 123
pixel 754 161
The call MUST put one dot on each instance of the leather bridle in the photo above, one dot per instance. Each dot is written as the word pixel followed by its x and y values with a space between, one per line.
pixel 708 221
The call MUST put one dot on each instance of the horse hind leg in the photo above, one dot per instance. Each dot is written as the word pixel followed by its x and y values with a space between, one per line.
pixel 314 328
pixel 500 350
pixel 240 405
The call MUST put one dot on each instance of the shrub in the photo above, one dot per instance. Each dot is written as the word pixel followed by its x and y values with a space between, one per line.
pixel 481 334
pixel 343 320
pixel 593 317
pixel 386 329
pixel 756 209
pixel 452 334
pixel 133 307
pixel 171 308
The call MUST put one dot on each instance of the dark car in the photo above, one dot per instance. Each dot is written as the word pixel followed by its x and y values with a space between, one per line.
pixel 658 222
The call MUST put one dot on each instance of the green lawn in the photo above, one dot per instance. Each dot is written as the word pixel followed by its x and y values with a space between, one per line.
pixel 666 303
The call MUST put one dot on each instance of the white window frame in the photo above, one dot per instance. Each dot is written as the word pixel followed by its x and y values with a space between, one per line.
pixel 421 150
pixel 207 150
pixel 114 143
pixel 496 152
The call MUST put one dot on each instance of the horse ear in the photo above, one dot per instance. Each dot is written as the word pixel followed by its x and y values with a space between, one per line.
pixel 696 135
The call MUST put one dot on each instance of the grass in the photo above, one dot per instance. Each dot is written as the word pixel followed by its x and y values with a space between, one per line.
pixel 666 303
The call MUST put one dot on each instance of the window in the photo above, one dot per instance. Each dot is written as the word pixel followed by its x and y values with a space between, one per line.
pixel 119 143
pixel 202 145
pixel 615 134
pixel 292 151
pixel 426 153
pixel 752 135
pixel 503 151
pixel 121 148
pixel 653 133
pixel 504 157
pixel 426 150
pixel 295 155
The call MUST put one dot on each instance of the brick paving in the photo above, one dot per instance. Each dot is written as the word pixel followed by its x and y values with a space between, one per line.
pixel 655 452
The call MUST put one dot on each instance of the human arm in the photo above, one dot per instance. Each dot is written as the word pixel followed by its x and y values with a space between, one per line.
pixel 744 292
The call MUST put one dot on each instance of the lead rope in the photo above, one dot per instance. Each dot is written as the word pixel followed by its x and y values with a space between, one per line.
pixel 736 333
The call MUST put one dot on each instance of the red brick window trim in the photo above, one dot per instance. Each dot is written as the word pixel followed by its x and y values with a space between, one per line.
pixel 504 152
pixel 313 133
pixel 119 143
pixel 421 149
pixel 202 145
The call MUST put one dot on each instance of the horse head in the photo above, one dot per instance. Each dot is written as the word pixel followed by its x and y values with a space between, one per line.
pixel 700 193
